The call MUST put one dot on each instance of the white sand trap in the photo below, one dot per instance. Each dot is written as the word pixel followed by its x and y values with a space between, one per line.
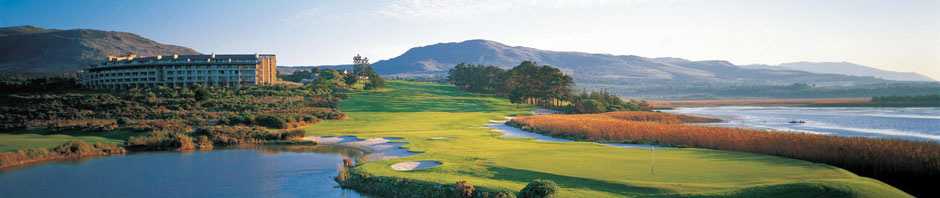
pixel 415 165
pixel 377 148
pixel 333 139
pixel 440 138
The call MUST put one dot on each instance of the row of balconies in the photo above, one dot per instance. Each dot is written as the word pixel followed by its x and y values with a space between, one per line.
pixel 171 72
pixel 168 80
pixel 152 84
pixel 178 61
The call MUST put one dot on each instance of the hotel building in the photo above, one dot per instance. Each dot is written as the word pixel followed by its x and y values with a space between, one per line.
pixel 233 70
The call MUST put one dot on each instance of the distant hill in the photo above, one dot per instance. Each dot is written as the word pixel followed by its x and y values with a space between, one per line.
pixel 627 75
pixel 35 50
pixel 847 68
pixel 589 67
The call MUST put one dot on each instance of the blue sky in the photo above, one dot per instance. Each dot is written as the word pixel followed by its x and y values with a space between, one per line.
pixel 893 35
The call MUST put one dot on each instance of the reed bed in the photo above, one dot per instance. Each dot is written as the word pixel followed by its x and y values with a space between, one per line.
pixel 904 164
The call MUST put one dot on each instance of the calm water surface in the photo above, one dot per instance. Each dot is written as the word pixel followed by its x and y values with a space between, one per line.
pixel 268 172
pixel 898 123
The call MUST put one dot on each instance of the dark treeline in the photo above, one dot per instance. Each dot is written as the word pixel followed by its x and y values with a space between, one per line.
pixel 544 85
pixel 907 101
pixel 45 84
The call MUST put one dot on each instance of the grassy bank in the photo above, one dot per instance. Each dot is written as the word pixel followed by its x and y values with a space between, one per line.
pixel 69 150
pixel 448 125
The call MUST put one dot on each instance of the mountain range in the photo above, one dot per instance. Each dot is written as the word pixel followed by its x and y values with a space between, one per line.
pixel 40 51
pixel 35 50
pixel 592 67
pixel 846 68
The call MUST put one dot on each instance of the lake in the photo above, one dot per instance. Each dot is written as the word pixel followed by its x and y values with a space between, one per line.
pixel 269 171
pixel 874 122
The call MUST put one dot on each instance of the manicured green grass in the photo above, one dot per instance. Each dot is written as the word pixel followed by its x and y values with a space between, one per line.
pixel 13 142
pixel 420 112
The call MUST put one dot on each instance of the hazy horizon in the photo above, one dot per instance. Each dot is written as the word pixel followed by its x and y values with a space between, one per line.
pixel 896 36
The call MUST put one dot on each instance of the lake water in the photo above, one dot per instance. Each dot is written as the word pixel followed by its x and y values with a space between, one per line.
pixel 265 172
pixel 899 123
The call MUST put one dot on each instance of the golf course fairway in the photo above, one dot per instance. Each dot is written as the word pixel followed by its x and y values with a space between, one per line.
pixel 445 124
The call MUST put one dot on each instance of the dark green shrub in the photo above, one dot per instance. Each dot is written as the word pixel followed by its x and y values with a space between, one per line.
pixel 271 122
pixel 309 118
pixel 161 141
pixel 232 135
pixel 123 121
pixel 293 134
pixel 539 188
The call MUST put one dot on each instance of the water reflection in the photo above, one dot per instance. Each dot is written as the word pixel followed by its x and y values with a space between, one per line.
pixel 256 171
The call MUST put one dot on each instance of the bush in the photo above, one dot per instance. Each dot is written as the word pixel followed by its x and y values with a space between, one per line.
pixel 464 189
pixel 293 134
pixel 271 122
pixel 124 121
pixel 233 135
pixel 161 140
pixel 203 143
pixel 539 188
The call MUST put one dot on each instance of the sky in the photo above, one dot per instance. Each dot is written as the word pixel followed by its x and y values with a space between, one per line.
pixel 893 35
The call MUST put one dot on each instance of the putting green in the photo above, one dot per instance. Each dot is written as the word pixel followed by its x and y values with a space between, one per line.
pixel 423 113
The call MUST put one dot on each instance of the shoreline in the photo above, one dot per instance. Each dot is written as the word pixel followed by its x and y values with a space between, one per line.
pixel 74 150
pixel 671 104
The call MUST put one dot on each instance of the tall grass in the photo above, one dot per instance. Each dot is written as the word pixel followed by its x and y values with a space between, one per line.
pixel 904 164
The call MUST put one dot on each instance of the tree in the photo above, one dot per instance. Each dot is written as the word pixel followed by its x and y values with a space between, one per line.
pixel 476 78
pixel 530 83
pixel 362 69
pixel 590 106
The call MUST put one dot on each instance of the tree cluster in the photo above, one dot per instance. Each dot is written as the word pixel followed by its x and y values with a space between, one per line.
pixel 543 85
pixel 361 77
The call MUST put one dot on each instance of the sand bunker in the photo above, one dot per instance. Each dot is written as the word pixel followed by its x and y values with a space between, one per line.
pixel 377 148
pixel 415 165
pixel 439 138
